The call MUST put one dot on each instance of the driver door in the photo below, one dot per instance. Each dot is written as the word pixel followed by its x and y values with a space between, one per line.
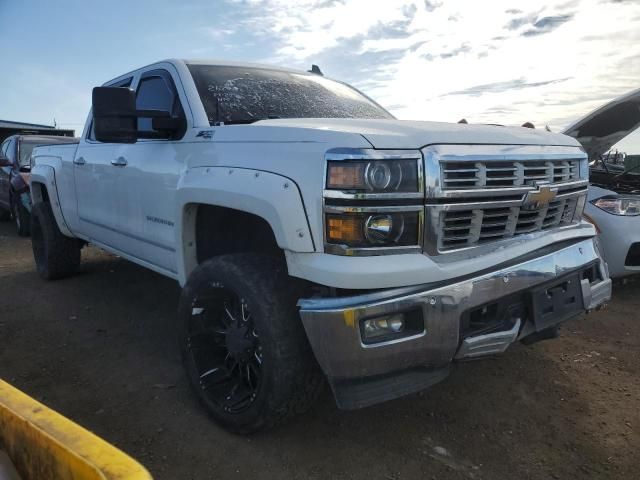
pixel 149 174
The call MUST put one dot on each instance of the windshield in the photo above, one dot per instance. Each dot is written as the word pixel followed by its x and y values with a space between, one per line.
pixel 244 95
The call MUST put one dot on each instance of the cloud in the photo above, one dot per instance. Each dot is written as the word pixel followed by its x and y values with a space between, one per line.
pixel 431 6
pixel 464 48
pixel 518 22
pixel 498 87
pixel 395 29
pixel 546 25
pixel 417 45
pixel 329 3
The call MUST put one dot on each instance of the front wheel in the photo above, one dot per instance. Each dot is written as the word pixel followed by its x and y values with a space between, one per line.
pixel 243 343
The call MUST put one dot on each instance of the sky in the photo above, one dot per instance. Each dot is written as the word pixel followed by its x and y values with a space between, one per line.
pixel 549 62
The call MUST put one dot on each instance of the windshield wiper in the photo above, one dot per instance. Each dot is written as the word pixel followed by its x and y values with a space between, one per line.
pixel 243 121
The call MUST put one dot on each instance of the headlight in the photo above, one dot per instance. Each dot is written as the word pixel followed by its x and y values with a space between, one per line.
pixel 375 176
pixel 628 206
pixel 373 229
pixel 373 201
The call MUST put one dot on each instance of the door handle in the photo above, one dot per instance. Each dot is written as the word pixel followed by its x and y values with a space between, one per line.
pixel 79 161
pixel 119 162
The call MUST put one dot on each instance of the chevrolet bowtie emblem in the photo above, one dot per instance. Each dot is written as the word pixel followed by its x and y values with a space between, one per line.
pixel 541 197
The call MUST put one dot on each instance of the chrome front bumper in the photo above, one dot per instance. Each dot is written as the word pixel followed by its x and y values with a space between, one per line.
pixel 333 324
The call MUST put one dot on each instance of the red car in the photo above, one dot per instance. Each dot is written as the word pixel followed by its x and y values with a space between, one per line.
pixel 15 167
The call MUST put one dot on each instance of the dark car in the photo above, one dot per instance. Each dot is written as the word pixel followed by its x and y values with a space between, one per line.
pixel 15 167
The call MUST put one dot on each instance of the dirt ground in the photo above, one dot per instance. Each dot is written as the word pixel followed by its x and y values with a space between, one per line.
pixel 99 348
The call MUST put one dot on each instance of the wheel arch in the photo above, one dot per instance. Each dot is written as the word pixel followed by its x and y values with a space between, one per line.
pixel 240 202
pixel 44 189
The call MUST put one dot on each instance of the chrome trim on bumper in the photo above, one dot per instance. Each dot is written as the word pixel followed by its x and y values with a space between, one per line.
pixel 332 324
pixel 489 344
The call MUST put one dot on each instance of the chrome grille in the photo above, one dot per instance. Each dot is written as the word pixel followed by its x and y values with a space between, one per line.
pixel 458 175
pixel 464 228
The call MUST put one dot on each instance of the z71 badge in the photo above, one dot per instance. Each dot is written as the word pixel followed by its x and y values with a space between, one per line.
pixel 205 134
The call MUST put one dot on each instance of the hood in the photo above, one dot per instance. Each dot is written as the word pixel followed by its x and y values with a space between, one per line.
pixel 401 134
pixel 606 126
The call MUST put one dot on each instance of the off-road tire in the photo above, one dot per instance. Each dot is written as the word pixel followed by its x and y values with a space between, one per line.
pixel 22 218
pixel 291 378
pixel 55 254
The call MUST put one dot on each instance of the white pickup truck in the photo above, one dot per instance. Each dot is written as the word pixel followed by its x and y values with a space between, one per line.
pixel 313 233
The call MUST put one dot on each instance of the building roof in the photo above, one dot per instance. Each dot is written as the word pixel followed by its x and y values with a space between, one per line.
pixel 19 125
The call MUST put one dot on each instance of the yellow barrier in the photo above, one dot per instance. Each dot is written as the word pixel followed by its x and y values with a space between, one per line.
pixel 44 445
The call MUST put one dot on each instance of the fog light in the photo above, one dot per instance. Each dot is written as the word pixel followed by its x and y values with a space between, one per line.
pixel 375 328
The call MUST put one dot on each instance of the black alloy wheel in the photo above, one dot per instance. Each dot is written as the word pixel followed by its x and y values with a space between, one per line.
pixel 225 349
pixel 243 344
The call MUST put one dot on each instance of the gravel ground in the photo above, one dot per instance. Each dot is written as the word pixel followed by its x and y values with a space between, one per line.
pixel 100 349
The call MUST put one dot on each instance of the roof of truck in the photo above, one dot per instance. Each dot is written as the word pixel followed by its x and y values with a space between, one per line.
pixel 227 63
pixel 222 63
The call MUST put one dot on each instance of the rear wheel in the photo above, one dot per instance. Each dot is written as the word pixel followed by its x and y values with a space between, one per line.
pixel 22 218
pixel 243 343
pixel 55 254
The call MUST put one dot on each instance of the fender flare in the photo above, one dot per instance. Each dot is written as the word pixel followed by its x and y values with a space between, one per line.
pixel 45 176
pixel 275 198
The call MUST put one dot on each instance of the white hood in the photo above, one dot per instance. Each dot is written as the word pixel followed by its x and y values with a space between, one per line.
pixel 606 126
pixel 400 134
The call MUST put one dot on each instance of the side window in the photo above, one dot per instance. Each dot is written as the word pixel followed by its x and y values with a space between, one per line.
pixel 4 146
pixel 157 91
pixel 11 149
pixel 122 83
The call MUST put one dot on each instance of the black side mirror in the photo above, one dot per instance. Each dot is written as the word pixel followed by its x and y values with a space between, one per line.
pixel 114 115
pixel 115 118
pixel 4 161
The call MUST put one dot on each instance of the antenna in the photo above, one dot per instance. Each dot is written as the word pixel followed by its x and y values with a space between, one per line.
pixel 316 70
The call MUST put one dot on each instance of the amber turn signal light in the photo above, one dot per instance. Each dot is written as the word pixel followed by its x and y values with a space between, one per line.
pixel 349 176
pixel 344 229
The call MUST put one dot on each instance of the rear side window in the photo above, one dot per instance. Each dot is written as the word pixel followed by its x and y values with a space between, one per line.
pixel 156 91
pixel 122 83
